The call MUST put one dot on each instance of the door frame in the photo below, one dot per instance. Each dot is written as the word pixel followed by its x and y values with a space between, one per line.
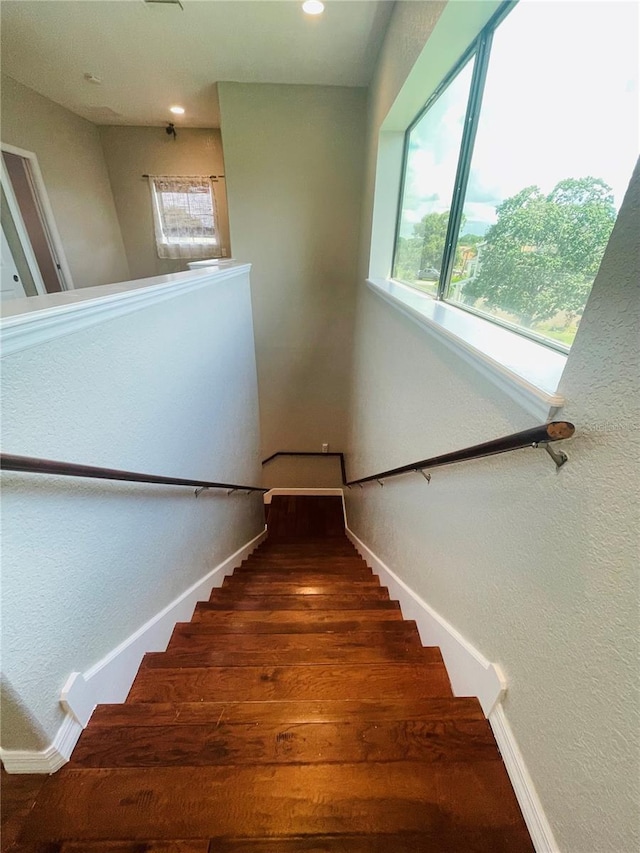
pixel 46 212
pixel 7 254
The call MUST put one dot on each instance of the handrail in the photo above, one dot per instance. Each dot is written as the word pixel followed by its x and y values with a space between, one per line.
pixel 33 465
pixel 540 435
pixel 537 436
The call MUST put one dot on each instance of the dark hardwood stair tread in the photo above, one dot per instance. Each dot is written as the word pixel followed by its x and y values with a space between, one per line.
pixel 328 563
pixel 227 600
pixel 195 845
pixel 245 592
pixel 286 712
pixel 300 581
pixel 253 743
pixel 349 623
pixel 223 601
pixel 197 802
pixel 296 681
pixel 306 576
pixel 206 613
pixel 205 636
pixel 457 839
pixel 190 657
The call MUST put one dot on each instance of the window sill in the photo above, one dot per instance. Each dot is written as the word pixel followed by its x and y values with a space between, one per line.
pixel 527 371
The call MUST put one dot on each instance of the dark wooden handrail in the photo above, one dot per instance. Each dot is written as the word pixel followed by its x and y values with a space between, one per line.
pixel 32 465
pixel 540 435
pixel 554 431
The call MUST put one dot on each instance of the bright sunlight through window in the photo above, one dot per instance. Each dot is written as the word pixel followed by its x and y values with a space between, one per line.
pixel 513 179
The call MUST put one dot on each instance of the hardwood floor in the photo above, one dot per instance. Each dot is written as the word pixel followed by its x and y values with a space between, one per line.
pixel 296 713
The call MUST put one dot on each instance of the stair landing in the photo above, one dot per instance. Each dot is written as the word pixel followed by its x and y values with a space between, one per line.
pixel 296 713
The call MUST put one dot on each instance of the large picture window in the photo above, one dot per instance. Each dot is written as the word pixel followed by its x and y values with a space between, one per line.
pixel 513 179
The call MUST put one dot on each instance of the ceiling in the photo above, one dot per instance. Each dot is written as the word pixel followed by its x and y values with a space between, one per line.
pixel 150 56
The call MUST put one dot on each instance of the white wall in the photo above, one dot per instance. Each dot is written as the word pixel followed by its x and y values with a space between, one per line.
pixel 131 152
pixel 293 159
pixel 75 175
pixel 169 389
pixel 537 569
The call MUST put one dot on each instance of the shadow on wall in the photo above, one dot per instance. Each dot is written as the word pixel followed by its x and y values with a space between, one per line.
pixel 18 729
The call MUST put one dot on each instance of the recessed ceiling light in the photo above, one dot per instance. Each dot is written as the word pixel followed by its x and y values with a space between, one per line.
pixel 178 111
pixel 313 7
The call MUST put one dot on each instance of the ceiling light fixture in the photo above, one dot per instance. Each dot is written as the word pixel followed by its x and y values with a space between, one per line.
pixel 313 7
pixel 178 111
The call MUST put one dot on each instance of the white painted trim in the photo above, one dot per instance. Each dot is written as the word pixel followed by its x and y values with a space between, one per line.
pixel 50 220
pixel 470 673
pixel 524 381
pixel 23 237
pixel 532 811
pixel 46 760
pixel 110 680
pixel 39 319
pixel 326 492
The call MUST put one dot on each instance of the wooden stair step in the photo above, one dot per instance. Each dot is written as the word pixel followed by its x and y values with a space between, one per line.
pixel 255 596
pixel 296 681
pixel 301 581
pixel 287 712
pixel 206 612
pixel 312 544
pixel 453 839
pixel 251 587
pixel 189 656
pixel 342 625
pixel 253 743
pixel 218 802
pixel 234 601
pixel 193 845
pixel 330 567
pixel 298 575
pixel 305 554
pixel 201 637
pixel 301 577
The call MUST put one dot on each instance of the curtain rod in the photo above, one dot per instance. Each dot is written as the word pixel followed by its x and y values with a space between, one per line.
pixel 212 177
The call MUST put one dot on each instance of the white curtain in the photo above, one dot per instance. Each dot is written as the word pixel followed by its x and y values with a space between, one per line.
pixel 185 216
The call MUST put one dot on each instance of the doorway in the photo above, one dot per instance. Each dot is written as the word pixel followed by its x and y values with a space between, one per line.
pixel 29 239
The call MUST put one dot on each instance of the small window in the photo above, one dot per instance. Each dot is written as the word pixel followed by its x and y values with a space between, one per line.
pixel 185 217
pixel 549 143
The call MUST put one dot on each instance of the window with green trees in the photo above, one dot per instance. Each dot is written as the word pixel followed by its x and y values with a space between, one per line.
pixel 516 168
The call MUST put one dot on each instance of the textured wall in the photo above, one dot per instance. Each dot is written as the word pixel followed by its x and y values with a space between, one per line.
pixel 537 569
pixel 293 159
pixel 75 175
pixel 131 152
pixel 169 389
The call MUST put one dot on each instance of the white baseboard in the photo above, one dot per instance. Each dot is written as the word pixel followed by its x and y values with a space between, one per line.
pixel 326 492
pixel 470 673
pixel 532 811
pixel 46 760
pixel 109 680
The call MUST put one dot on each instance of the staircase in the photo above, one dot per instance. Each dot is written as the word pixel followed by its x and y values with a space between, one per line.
pixel 296 713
